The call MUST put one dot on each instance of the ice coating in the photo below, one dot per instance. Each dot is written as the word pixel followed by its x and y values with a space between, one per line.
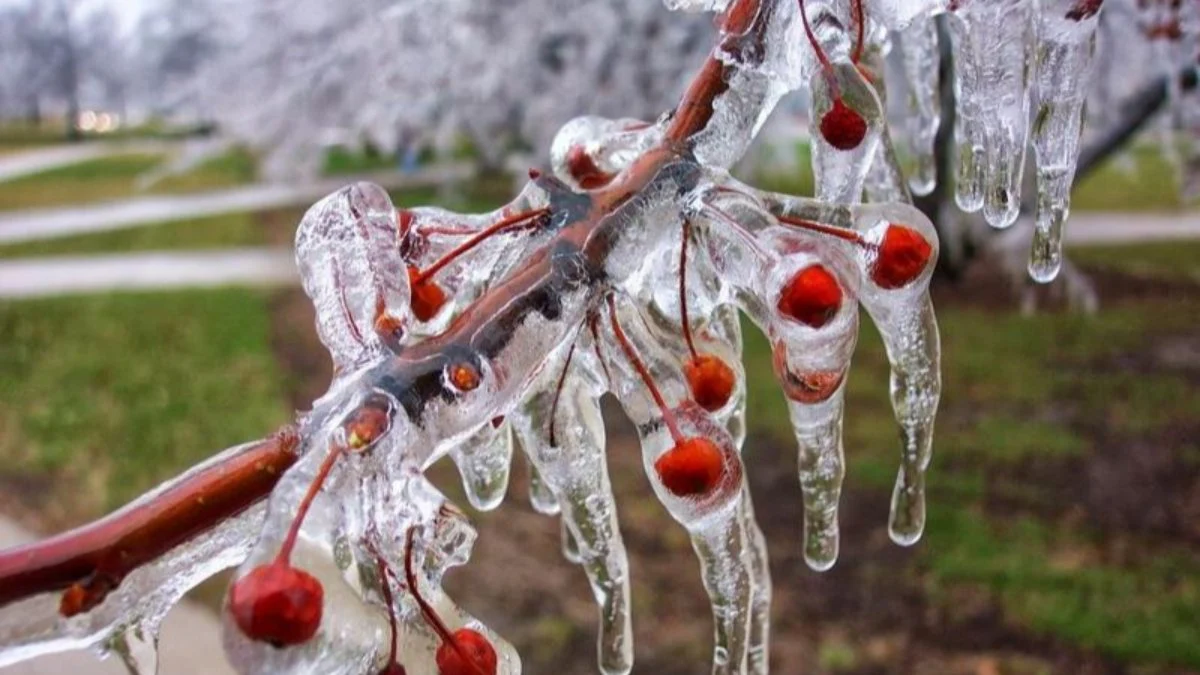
pixel 1066 46
pixel 350 264
pixel 992 41
pixel 920 58
pixel 484 461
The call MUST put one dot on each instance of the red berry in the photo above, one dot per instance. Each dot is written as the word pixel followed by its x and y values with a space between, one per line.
pixel 693 468
pixel 811 387
pixel 903 255
pixel 842 127
pixel 475 646
pixel 812 296
pixel 710 380
pixel 583 169
pixel 278 604
pixel 427 296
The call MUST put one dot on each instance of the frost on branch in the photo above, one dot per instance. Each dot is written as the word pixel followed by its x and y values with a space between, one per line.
pixel 625 271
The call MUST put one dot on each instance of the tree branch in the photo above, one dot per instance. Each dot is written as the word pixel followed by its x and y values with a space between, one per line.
pixel 1136 113
pixel 91 561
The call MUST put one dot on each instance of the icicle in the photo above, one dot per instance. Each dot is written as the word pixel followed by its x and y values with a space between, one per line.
pixel 484 461
pixel 706 503
pixel 574 467
pixel 569 544
pixel 884 180
pixel 814 330
pixel 993 41
pixel 137 646
pixel 903 312
pixel 921 59
pixel 541 497
pixel 1066 46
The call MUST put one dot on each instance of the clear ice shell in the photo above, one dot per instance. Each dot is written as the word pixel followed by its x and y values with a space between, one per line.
pixel 351 268
pixel 484 462
pixel 993 42
pixel 1064 63
pixel 921 58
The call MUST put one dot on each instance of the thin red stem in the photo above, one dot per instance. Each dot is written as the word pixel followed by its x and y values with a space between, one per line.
pixel 285 551
pixel 354 331
pixel 453 231
pixel 643 372
pixel 859 19
pixel 427 610
pixel 683 311
pixel 386 589
pixel 812 39
pixel 471 243
pixel 839 232
pixel 562 379
pixel 592 321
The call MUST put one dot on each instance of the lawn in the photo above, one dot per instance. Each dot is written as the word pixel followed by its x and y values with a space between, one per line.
pixel 116 177
pixel 104 396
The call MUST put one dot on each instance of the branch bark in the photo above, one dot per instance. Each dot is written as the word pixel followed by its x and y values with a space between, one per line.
pixel 90 561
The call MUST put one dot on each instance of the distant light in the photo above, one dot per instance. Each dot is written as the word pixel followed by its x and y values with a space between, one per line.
pixel 87 120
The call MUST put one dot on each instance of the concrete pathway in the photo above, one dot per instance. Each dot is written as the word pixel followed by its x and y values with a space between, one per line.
pixel 190 645
pixel 27 225
pixel 63 275
pixel 29 162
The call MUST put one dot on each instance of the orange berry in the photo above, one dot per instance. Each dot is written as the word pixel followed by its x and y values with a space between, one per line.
pixel 464 376
pixel 475 646
pixel 693 468
pixel 427 296
pixel 278 604
pixel 710 380
pixel 842 127
pixel 903 255
pixel 812 296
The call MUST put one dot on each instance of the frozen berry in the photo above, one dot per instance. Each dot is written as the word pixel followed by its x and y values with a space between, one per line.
pixel 711 381
pixel 692 468
pixel 427 296
pixel 842 127
pixel 278 604
pixel 583 169
pixel 812 296
pixel 475 647
pixel 903 255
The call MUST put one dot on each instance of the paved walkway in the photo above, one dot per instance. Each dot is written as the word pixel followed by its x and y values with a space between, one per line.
pixel 62 275
pixel 34 277
pixel 27 225
pixel 191 643
pixel 29 162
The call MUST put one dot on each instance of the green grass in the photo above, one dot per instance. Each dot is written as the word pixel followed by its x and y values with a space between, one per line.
pixel 116 177
pixel 1045 579
pixel 1159 259
pixel 227 231
pixel 1144 181
pixel 117 392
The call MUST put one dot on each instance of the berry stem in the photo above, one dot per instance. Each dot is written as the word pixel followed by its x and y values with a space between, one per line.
pixel 435 621
pixel 643 372
pixel 593 320
pixel 345 306
pixel 385 572
pixel 562 379
pixel 489 231
pixel 683 311
pixel 859 20
pixel 826 65
pixel 289 543
pixel 831 230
